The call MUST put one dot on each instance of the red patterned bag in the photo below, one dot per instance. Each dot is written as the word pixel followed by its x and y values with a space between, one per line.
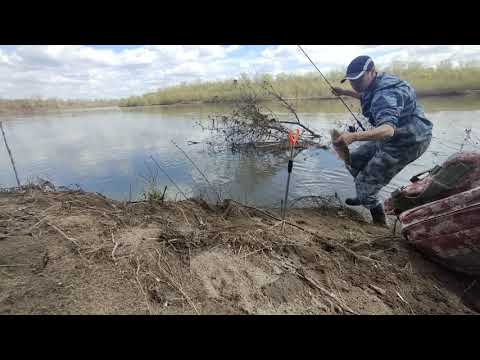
pixel 448 230
pixel 459 173
pixel 440 214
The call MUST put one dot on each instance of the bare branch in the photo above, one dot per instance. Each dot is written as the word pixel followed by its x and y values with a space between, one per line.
pixel 247 126
pixel 315 135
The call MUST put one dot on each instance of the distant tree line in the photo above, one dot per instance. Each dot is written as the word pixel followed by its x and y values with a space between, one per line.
pixel 441 79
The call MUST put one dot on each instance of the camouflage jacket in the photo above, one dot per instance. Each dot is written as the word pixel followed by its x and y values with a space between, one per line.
pixel 392 101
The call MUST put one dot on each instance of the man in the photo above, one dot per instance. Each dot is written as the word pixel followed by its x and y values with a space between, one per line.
pixel 401 132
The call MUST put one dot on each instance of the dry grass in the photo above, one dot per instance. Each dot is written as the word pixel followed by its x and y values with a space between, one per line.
pixel 444 78
pixel 35 105
pixel 190 257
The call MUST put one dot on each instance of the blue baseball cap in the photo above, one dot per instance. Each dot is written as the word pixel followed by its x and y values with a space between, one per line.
pixel 358 67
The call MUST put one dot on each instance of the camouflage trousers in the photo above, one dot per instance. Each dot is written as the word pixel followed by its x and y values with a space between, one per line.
pixel 373 166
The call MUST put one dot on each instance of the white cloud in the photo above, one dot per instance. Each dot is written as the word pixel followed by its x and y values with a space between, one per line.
pixel 79 71
pixel 137 56
pixel 322 55
pixel 232 48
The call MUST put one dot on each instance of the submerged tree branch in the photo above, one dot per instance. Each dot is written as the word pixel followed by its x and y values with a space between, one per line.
pixel 247 125
pixel 314 134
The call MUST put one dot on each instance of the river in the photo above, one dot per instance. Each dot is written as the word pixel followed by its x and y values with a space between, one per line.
pixel 108 151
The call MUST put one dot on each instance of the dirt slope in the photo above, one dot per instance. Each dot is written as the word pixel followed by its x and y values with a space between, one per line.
pixel 80 253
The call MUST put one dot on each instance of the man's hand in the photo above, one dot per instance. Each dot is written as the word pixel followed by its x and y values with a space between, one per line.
pixel 382 132
pixel 346 138
pixel 343 92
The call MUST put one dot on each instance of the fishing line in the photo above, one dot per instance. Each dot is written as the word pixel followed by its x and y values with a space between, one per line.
pixel 331 87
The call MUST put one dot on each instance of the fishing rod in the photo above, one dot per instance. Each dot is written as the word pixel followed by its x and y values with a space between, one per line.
pixel 331 87
pixel 292 140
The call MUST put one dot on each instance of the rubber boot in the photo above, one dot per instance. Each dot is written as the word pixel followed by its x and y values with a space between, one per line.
pixel 352 202
pixel 378 215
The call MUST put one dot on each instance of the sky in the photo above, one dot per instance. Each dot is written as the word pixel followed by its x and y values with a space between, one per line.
pixel 119 71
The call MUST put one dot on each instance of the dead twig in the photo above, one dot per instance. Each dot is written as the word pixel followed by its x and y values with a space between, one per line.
pixel 378 289
pixel 322 238
pixel 256 251
pixel 339 303
pixel 104 213
pixel 50 208
pixel 272 91
pixel 314 134
pixel 6 274
pixel 14 265
pixel 94 250
pixel 141 287
pixel 115 247
pixel 184 216
pixel 75 242
pixel 257 209
pixel 200 171
pixel 173 283
pixel 169 178
pixel 189 261
pixel 405 302
pixel 199 219
pixel 163 194
pixel 94 208
pixel 30 229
